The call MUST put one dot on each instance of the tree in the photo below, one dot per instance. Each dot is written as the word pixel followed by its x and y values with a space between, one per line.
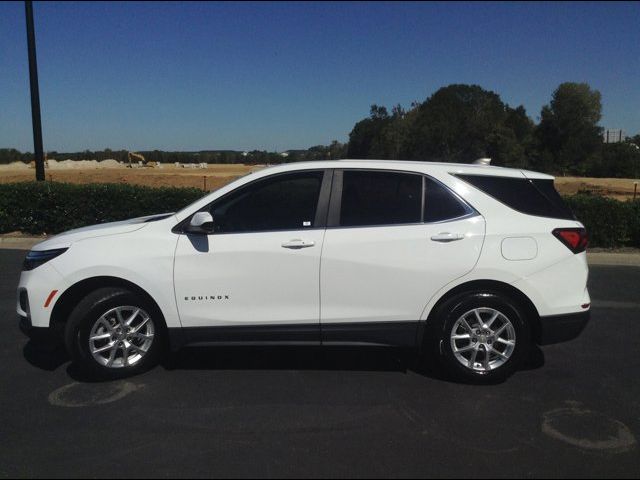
pixel 511 143
pixel 459 123
pixel 367 139
pixel 8 155
pixel 337 150
pixel 568 133
pixel 518 121
pixel 635 140
pixel 616 160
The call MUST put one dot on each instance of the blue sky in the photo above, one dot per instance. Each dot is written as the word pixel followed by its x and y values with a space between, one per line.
pixel 274 76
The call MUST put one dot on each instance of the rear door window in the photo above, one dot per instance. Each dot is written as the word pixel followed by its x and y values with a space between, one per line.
pixel 371 198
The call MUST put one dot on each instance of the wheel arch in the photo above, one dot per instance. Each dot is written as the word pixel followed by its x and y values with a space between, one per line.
pixel 76 292
pixel 487 285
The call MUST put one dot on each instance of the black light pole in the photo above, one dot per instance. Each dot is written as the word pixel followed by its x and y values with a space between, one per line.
pixel 35 95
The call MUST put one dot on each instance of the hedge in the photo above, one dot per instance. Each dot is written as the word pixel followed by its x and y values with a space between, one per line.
pixel 609 222
pixel 52 207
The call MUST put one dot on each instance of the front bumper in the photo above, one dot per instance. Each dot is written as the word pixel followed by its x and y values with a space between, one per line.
pixel 34 289
pixel 37 334
pixel 562 328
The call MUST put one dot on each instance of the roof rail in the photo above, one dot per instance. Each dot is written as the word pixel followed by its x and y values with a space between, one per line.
pixel 482 161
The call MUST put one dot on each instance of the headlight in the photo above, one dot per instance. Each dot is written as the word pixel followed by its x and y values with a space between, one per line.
pixel 36 258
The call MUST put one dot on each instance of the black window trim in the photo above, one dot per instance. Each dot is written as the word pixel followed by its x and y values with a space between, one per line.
pixel 322 207
pixel 333 218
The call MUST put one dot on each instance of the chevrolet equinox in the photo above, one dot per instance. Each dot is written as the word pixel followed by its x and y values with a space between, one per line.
pixel 470 263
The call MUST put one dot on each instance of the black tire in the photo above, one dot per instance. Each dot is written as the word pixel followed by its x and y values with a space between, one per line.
pixel 86 314
pixel 445 318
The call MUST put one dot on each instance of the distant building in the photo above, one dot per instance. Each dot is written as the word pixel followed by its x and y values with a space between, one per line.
pixel 613 135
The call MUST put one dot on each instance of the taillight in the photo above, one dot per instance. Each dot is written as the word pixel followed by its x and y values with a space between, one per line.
pixel 575 239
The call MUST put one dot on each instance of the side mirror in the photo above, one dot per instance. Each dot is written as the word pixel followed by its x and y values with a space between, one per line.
pixel 201 222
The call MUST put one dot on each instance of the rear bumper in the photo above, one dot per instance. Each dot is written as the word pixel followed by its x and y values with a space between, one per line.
pixel 562 328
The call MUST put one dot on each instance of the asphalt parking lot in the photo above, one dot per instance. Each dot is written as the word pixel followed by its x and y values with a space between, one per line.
pixel 289 412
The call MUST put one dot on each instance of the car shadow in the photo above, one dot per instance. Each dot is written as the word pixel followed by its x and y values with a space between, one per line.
pixel 535 359
pixel 327 358
pixel 288 358
pixel 45 356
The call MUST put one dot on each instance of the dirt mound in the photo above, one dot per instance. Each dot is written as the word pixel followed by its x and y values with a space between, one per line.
pixel 18 166
pixel 67 164
pixel 108 163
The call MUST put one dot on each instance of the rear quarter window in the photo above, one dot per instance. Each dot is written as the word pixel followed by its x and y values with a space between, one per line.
pixel 532 197
pixel 440 204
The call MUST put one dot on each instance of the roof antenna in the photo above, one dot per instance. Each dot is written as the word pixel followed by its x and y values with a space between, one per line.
pixel 482 161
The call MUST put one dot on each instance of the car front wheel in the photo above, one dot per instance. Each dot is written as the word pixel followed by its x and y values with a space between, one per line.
pixel 114 333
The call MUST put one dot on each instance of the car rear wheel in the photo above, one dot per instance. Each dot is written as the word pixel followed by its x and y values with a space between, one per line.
pixel 481 337
pixel 115 333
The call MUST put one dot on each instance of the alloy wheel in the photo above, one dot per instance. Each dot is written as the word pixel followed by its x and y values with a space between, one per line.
pixel 121 337
pixel 483 339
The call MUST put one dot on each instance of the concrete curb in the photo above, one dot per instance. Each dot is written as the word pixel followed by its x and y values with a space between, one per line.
pixel 594 258
pixel 19 243
pixel 608 258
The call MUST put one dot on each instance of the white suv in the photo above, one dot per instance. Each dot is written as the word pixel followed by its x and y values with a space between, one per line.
pixel 472 263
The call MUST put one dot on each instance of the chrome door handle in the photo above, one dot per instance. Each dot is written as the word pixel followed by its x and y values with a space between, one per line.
pixel 297 244
pixel 445 237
